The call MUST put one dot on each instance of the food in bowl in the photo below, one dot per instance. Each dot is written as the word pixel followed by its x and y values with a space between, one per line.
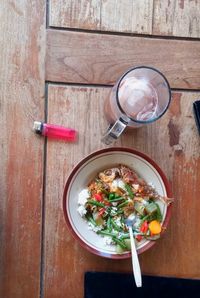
pixel 111 197
pixel 86 171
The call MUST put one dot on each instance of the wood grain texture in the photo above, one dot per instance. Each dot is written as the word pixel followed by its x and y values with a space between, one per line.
pixel 21 102
pixel 127 16
pixel 173 142
pixel 177 18
pixel 102 59
pixel 75 14
pixel 112 15
pixel 158 17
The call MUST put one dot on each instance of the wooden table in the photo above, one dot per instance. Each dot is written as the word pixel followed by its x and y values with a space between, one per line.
pixel 58 62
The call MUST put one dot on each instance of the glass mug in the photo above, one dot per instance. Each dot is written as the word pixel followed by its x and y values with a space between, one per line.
pixel 142 95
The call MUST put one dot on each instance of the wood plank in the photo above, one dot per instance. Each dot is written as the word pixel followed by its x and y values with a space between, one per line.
pixel 22 29
pixel 171 18
pixel 112 15
pixel 127 16
pixel 174 134
pixel 75 14
pixel 102 59
pixel 177 18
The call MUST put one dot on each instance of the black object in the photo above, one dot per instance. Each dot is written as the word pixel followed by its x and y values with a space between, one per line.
pixel 196 109
pixel 120 285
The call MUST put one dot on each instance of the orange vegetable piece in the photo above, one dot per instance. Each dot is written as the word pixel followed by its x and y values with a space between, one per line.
pixel 155 227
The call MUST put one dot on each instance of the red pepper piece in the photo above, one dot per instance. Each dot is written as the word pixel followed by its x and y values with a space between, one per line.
pixel 98 197
pixel 138 238
pixel 144 227
pixel 101 211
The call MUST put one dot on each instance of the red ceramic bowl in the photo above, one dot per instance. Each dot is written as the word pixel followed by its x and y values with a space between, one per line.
pixel 85 171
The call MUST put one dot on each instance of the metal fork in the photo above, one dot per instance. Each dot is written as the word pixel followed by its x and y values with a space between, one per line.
pixel 135 262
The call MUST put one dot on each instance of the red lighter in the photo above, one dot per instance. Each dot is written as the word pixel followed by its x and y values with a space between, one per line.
pixel 55 131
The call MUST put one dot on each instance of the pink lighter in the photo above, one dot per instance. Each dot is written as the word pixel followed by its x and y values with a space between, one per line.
pixel 55 131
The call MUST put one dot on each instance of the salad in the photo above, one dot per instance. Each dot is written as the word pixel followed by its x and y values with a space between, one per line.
pixel 114 195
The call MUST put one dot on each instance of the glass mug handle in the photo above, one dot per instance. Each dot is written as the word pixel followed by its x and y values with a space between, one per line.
pixel 114 131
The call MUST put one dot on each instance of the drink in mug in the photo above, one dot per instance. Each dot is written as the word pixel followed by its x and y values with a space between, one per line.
pixel 142 95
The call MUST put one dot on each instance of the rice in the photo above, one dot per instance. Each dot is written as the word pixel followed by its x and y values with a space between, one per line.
pixel 81 210
pixel 94 228
pixel 82 199
pixel 83 196
pixel 108 240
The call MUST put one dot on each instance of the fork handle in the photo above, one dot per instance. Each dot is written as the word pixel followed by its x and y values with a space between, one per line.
pixel 135 261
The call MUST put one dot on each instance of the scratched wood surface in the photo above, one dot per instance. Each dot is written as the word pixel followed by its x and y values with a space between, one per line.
pixel 109 15
pixel 176 18
pixel 158 17
pixel 102 59
pixel 22 101
pixel 173 142
pixel 27 268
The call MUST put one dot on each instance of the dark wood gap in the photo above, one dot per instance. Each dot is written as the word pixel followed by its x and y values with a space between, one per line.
pixel 78 84
pixel 47 13
pixel 117 33
pixel 42 248
pixel 65 84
